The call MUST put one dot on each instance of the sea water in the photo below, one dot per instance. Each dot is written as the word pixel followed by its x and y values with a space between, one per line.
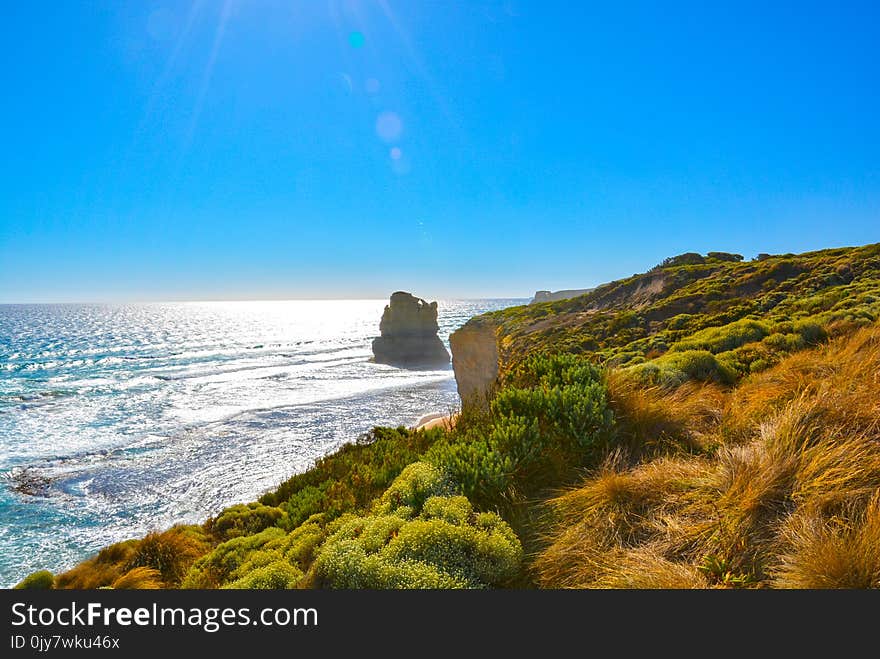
pixel 116 420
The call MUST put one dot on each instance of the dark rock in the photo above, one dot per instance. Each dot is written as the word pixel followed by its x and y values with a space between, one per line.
pixel 409 333
pixel 27 480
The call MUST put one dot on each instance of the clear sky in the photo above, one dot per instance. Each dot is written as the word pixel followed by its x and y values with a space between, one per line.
pixel 328 148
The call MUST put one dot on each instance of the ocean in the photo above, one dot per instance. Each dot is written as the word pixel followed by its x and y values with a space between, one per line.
pixel 116 420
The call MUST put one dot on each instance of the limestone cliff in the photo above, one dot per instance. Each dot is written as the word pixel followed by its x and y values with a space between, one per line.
pixel 409 333
pixel 474 358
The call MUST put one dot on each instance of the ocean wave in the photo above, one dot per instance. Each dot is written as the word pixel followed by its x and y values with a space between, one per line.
pixel 220 372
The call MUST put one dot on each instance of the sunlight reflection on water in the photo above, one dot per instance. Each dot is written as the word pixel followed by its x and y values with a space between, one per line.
pixel 125 418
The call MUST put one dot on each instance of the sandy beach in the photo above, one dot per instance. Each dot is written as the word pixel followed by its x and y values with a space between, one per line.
pixel 435 420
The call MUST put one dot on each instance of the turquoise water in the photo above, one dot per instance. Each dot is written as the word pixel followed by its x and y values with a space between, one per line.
pixel 119 419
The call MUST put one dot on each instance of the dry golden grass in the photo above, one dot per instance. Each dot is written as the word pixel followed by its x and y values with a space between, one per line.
pixel 168 554
pixel 646 569
pixel 836 552
pixel 101 570
pixel 785 491
pixel 654 421
pixel 139 578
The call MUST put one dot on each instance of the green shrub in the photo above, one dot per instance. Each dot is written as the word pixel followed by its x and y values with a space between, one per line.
pixel 438 543
pixel 545 419
pixel 415 484
pixel 42 580
pixel 810 331
pixel 304 503
pixel 722 339
pixel 681 321
pixel 784 342
pixel 479 465
pixel 485 553
pixel 739 361
pixel 353 476
pixel 759 365
pixel 244 519
pixel 345 564
pixel 676 368
pixel 274 576
pixel 216 567
pixel 298 547
pixel 547 371
pixel 724 257
pixel 688 258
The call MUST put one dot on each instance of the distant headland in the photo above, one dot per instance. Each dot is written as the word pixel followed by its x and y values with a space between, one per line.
pixel 554 296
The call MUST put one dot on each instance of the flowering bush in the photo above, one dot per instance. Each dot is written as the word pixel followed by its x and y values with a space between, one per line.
pixel 274 576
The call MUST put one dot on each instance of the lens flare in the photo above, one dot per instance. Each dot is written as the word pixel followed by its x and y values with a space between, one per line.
pixel 388 126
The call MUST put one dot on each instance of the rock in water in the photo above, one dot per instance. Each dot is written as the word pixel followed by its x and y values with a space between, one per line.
pixel 409 333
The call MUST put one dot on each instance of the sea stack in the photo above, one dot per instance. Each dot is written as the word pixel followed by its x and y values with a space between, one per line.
pixel 409 333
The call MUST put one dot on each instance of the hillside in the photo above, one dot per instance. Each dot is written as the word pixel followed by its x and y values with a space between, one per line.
pixel 747 314
pixel 709 423
pixel 778 486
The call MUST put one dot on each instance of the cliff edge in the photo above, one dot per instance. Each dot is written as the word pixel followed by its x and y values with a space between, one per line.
pixel 475 358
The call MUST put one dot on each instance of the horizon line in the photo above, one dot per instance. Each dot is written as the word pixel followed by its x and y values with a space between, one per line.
pixel 243 299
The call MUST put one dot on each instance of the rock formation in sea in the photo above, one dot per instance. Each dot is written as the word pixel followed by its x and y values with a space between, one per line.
pixel 409 333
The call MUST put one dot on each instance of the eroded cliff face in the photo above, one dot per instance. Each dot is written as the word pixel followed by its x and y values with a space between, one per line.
pixel 475 359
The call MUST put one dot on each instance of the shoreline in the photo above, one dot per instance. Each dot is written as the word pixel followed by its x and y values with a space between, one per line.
pixel 328 447
pixel 435 420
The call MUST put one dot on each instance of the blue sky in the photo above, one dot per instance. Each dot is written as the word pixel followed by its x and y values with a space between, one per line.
pixel 269 149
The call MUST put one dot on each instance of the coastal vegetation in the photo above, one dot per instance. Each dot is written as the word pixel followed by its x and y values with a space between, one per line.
pixel 777 484
pixel 713 422
pixel 747 314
